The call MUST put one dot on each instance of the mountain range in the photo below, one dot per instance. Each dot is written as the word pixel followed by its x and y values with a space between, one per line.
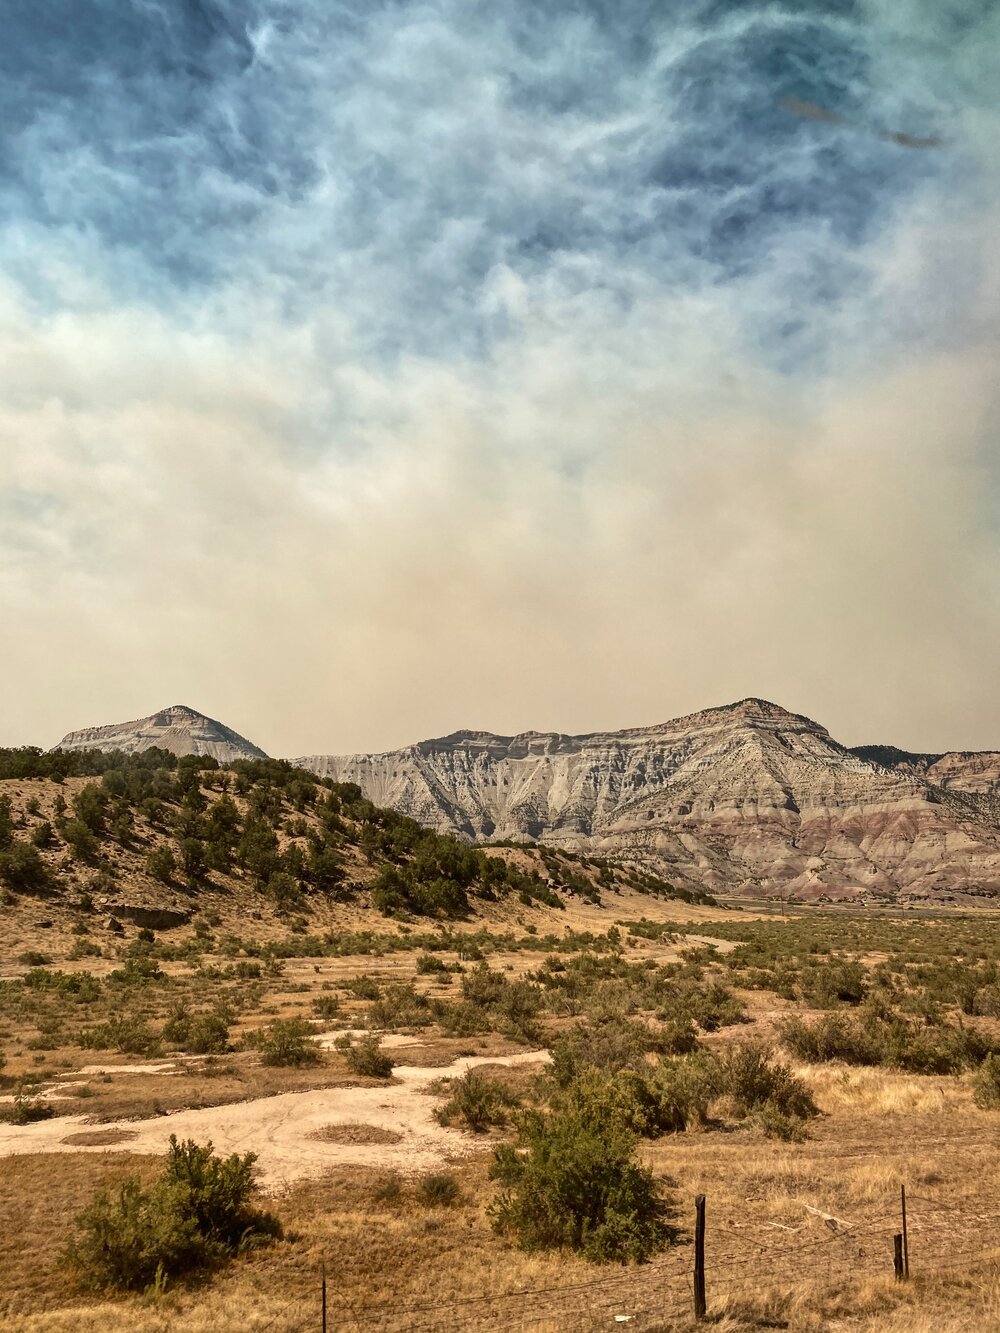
pixel 744 799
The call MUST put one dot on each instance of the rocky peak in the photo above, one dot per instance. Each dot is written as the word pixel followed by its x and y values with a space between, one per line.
pixel 179 729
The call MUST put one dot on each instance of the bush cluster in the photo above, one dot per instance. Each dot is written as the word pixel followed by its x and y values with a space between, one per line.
pixel 879 1037
pixel 367 1058
pixel 286 1042
pixel 198 1212
pixel 571 1182
pixel 477 1102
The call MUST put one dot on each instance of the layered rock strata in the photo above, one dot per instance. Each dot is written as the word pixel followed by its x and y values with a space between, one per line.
pixel 180 730
pixel 747 798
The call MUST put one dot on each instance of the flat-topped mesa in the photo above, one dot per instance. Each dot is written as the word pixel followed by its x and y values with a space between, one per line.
pixel 745 797
pixel 179 729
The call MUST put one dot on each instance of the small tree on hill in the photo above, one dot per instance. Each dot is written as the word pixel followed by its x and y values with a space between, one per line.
pixel 161 863
pixel 21 868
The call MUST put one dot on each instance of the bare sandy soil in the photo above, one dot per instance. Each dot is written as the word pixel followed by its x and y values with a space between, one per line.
pixel 286 1131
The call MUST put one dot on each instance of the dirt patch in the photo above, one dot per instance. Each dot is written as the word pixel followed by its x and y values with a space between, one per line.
pixel 355 1133
pixel 281 1129
pixel 99 1138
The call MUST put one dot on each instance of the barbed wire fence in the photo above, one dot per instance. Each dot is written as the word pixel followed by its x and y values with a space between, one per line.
pixel 917 1237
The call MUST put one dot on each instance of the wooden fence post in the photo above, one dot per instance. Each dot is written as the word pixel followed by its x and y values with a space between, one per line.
pixel 323 1295
pixel 897 1255
pixel 699 1257
pixel 906 1239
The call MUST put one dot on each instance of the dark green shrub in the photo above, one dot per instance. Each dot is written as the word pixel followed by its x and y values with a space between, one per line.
pixel 89 805
pixel 986 1084
pixel 753 1079
pixel 367 1058
pixel 632 1099
pixel 161 863
pixel 389 1192
pixel 685 1088
pixel 43 836
pixel 478 1102
pixel 400 1006
pixel 22 869
pixel 778 1124
pixel 6 823
pixel 326 1006
pixel 880 1037
pixel 197 1034
pixel 32 958
pixel 288 1042
pixel 218 1192
pixel 80 839
pixel 463 1019
pixel 135 1238
pixel 711 1007
pixel 617 1044
pixel 199 1211
pixel 122 1033
pixel 484 987
pixel 572 1183
pixel 832 984
pixel 831 1038
pixel 363 987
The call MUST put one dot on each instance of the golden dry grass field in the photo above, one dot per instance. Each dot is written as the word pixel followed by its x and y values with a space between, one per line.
pixel 799 1231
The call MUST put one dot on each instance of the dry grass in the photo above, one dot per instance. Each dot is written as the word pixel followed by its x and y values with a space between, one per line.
pixel 99 1138
pixel 884 1092
pixel 878 1129
pixel 386 1258
pixel 40 1197
pixel 355 1134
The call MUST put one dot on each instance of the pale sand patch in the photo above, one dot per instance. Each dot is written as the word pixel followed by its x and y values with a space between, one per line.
pixel 390 1041
pixel 282 1129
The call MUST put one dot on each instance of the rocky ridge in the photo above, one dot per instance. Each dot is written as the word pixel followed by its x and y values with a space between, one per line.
pixel 179 730
pixel 974 771
pixel 745 798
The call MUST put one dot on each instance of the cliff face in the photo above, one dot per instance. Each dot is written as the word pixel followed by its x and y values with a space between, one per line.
pixel 745 798
pixel 976 771
pixel 179 729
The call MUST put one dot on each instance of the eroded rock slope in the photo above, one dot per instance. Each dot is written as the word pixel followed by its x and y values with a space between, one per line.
pixel 748 797
pixel 179 729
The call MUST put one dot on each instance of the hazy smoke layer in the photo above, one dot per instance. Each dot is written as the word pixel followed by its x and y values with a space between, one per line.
pixel 368 370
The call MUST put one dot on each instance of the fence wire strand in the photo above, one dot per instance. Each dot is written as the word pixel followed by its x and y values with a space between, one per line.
pixel 655 1295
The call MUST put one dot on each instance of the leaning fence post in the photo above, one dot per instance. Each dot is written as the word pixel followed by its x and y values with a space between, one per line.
pixel 699 1257
pixel 323 1294
pixel 897 1255
pixel 906 1239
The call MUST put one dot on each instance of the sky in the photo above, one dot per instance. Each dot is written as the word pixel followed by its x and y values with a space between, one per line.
pixel 374 369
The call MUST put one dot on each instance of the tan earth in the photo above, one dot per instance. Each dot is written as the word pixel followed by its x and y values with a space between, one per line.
pixel 286 1131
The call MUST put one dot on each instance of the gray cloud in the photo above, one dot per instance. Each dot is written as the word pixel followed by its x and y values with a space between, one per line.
pixel 383 373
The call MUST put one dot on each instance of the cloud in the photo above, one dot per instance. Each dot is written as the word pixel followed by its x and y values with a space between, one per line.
pixel 369 373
